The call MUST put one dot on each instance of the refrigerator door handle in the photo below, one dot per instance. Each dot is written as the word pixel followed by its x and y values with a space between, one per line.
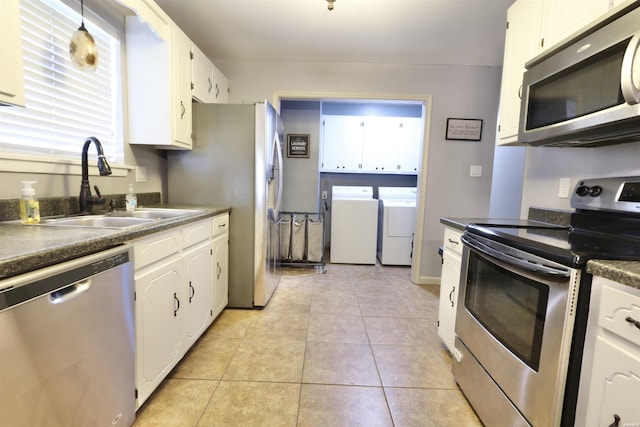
pixel 278 150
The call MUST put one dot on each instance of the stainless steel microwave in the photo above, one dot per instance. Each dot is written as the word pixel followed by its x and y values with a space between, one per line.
pixel 586 92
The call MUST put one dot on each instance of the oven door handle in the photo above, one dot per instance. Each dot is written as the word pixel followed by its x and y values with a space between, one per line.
pixel 512 260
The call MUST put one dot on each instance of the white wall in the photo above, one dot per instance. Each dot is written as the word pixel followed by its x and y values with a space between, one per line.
pixel 457 92
pixel 545 166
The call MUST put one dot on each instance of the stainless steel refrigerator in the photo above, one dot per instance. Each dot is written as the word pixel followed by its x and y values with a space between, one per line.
pixel 236 161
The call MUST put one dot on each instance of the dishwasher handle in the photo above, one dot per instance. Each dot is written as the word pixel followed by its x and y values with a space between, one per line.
pixel 69 292
pixel 60 282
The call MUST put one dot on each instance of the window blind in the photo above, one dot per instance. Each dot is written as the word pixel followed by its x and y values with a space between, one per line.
pixel 64 105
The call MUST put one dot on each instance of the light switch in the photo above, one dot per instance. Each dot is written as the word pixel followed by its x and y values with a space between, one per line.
pixel 141 174
pixel 563 188
pixel 475 170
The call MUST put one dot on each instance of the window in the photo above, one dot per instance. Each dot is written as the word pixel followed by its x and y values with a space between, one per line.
pixel 63 104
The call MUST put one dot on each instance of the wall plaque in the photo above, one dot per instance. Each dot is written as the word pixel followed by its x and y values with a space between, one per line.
pixel 297 145
pixel 464 129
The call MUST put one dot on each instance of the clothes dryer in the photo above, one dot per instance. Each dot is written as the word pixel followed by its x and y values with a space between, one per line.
pixel 396 223
pixel 354 219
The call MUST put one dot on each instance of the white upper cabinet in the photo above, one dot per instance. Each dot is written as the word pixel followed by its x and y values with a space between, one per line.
pixel 220 86
pixel 380 148
pixel 202 73
pixel 159 86
pixel 371 144
pixel 410 137
pixel 521 44
pixel 11 69
pixel 342 138
pixel 352 141
pixel 181 103
pixel 534 26
pixel 560 19
pixel 165 70
pixel 209 84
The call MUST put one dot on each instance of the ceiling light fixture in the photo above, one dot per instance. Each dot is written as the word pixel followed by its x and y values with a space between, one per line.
pixel 82 48
pixel 330 5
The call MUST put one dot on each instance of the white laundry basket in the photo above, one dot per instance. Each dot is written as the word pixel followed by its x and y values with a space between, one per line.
pixel 315 241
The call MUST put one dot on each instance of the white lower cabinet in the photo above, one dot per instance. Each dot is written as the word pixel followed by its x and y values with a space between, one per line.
pixel 173 304
pixel 220 263
pixel 610 383
pixel 449 283
pixel 197 263
pixel 159 325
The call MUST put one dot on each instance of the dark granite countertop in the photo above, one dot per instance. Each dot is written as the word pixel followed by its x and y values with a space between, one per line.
pixel 25 248
pixel 535 215
pixel 624 272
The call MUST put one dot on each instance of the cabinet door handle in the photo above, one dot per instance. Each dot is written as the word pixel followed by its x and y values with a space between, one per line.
pixel 182 109
pixel 192 292
pixel 453 241
pixel 633 321
pixel 616 421
pixel 217 91
pixel 219 270
pixel 210 84
pixel 176 304
pixel 451 296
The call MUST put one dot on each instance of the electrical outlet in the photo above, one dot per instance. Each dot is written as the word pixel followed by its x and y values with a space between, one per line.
pixel 564 187
pixel 141 174
pixel 324 195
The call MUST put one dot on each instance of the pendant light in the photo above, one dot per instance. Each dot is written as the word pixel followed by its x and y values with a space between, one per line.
pixel 82 48
pixel 330 5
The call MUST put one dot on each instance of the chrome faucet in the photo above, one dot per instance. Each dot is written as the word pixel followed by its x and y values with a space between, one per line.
pixel 86 199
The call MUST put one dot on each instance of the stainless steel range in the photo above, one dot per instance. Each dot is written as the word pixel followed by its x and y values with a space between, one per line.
pixel 524 302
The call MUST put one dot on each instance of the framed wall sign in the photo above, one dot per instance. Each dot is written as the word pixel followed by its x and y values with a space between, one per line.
pixel 297 145
pixel 464 129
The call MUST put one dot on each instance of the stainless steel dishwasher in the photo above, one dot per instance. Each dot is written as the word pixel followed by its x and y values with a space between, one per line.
pixel 67 344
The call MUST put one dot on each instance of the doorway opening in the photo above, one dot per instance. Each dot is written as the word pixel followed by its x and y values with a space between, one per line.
pixel 305 177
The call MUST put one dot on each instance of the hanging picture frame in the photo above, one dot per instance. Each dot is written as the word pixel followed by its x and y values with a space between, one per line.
pixel 464 129
pixel 298 145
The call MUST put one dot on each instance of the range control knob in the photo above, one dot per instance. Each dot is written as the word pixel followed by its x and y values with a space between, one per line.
pixel 582 191
pixel 595 191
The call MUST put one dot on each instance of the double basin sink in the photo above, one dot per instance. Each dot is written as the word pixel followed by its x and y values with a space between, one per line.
pixel 119 219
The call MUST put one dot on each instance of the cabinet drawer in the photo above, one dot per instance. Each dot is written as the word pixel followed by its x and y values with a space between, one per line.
pixel 616 307
pixel 152 249
pixel 220 225
pixel 196 233
pixel 452 240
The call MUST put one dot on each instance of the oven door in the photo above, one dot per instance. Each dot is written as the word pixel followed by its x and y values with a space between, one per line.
pixel 514 326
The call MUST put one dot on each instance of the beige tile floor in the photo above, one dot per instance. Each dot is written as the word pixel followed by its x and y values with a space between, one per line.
pixel 357 346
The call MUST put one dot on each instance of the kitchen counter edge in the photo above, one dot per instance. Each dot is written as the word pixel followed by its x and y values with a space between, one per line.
pixel 52 245
pixel 624 272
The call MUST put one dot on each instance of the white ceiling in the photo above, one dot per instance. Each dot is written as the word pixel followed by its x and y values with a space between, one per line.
pixel 450 32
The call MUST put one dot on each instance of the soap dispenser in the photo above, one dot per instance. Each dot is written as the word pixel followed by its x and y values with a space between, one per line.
pixel 29 205
pixel 131 200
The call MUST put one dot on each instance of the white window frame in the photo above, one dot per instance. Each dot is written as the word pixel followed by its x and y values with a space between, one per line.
pixel 70 164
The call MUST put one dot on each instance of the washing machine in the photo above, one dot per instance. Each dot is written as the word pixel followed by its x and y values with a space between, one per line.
pixel 396 223
pixel 354 222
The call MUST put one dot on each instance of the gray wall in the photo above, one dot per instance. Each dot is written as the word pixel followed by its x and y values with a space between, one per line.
pixel 300 192
pixel 456 91
pixel 545 166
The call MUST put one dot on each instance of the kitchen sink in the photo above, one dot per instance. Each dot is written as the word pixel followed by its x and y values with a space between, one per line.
pixel 118 219
pixel 99 221
pixel 153 213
